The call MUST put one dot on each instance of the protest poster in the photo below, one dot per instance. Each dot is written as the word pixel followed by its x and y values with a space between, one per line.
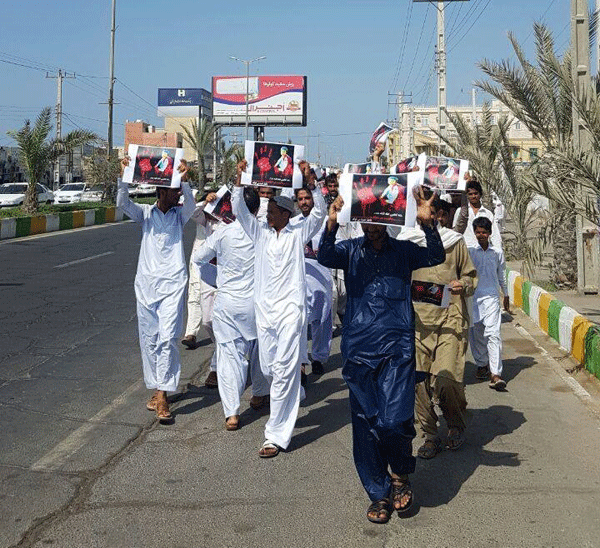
pixel 410 164
pixel 379 199
pixel 380 135
pixel 445 173
pixel 430 293
pixel 273 165
pixel 153 165
pixel 358 168
pixel 221 207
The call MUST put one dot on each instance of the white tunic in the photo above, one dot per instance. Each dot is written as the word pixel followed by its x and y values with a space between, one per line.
pixel 469 234
pixel 233 312
pixel 161 269
pixel 279 272
pixel 491 276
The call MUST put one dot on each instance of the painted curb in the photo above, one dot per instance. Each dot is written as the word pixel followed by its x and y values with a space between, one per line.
pixel 572 331
pixel 18 227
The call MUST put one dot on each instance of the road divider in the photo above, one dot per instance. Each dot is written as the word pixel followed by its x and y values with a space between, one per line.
pixel 572 331
pixel 17 227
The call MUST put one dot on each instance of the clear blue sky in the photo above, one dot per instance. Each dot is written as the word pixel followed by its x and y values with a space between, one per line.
pixel 349 50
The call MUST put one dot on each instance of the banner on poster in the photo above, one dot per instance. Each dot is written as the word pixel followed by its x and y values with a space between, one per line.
pixel 221 207
pixel 379 199
pixel 380 135
pixel 445 173
pixel 153 165
pixel 273 165
pixel 430 293
pixel 358 168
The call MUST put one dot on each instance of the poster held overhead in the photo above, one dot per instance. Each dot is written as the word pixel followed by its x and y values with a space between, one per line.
pixel 221 207
pixel 273 164
pixel 358 168
pixel 380 135
pixel 153 165
pixel 410 164
pixel 445 173
pixel 379 199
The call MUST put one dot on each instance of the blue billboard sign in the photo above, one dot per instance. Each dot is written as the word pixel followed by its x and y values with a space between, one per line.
pixel 184 97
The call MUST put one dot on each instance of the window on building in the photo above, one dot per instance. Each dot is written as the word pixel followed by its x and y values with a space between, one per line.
pixel 425 121
pixel 515 152
pixel 533 153
pixel 518 125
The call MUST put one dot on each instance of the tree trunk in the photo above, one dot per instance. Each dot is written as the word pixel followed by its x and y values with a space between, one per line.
pixel 30 203
pixel 564 251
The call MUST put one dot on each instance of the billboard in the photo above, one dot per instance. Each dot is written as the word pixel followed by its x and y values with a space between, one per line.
pixel 184 102
pixel 272 100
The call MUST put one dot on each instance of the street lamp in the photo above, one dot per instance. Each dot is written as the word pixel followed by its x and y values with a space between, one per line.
pixel 247 62
pixel 307 136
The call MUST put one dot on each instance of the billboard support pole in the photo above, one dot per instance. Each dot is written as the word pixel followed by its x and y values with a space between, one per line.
pixel 247 62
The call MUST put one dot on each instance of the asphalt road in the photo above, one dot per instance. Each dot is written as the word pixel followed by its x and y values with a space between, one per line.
pixel 83 464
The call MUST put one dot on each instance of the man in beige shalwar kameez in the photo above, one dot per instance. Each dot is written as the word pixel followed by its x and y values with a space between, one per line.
pixel 442 338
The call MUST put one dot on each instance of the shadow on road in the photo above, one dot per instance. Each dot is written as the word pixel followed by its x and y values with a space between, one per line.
pixel 438 481
pixel 200 397
pixel 511 368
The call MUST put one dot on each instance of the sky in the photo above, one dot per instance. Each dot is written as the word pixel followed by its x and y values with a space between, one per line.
pixel 354 53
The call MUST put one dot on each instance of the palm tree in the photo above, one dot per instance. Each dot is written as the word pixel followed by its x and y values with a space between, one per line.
pixel 541 96
pixel 201 138
pixel 37 152
pixel 230 156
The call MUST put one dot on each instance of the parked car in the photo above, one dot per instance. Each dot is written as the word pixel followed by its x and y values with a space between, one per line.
pixel 92 194
pixel 132 189
pixel 144 189
pixel 69 193
pixel 13 194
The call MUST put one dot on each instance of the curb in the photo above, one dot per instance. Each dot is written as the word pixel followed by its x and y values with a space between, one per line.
pixel 17 227
pixel 572 331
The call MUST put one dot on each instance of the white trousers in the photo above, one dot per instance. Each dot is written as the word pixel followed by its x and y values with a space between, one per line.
pixel 233 359
pixel 339 294
pixel 279 349
pixel 201 297
pixel 159 329
pixel 484 336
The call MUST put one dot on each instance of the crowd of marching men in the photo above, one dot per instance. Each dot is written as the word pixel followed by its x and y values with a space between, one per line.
pixel 286 273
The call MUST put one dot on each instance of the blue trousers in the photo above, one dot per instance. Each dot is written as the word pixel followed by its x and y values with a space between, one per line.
pixel 382 401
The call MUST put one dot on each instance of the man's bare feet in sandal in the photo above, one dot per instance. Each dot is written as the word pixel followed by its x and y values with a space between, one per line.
pixel 402 494
pixel 232 423
pixel 379 511
pixel 151 404
pixel 162 406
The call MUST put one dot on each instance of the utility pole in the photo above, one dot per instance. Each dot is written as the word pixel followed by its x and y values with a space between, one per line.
pixel 247 62
pixel 59 80
pixel 401 99
pixel 587 234
pixel 411 135
pixel 440 55
pixel 474 106
pixel 111 80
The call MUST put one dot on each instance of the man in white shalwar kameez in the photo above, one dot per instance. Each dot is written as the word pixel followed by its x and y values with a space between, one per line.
pixel 234 324
pixel 160 284
pixel 319 294
pixel 280 302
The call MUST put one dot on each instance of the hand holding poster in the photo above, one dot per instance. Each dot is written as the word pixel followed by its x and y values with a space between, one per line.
pixel 379 199
pixel 410 164
pixel 153 165
pixel 220 208
pixel 358 168
pixel 445 173
pixel 380 135
pixel 430 293
pixel 273 165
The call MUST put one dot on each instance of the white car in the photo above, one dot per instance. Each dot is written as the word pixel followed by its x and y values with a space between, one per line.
pixel 145 189
pixel 132 189
pixel 93 194
pixel 69 193
pixel 13 194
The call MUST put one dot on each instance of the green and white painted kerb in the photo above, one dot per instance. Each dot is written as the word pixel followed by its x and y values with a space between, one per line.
pixel 575 333
pixel 17 227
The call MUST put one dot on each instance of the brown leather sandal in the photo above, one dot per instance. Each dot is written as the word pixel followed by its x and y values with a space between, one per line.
pixel 162 411
pixel 232 423
pixel 151 404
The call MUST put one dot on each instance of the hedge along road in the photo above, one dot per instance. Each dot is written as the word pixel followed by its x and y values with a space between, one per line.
pixel 69 353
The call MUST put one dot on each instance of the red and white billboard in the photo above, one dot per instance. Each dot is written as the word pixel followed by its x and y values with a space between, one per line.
pixel 272 100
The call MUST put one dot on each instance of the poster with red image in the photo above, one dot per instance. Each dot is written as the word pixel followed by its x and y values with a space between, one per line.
pixel 153 165
pixel 273 164
pixel 221 207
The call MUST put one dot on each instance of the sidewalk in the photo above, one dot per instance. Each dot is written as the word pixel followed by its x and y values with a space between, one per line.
pixel 527 475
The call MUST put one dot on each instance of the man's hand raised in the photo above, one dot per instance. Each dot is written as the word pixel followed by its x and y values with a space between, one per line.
pixel 241 167
pixel 183 169
pixel 334 209
pixel 424 214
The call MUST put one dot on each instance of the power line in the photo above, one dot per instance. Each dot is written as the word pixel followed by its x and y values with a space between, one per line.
pixel 417 48
pixel 403 47
pixel 472 25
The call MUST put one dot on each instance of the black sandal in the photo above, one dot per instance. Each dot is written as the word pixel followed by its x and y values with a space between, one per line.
pixel 401 488
pixel 382 506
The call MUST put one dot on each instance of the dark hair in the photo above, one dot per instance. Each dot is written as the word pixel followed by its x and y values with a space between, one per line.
pixel 305 188
pixel 475 185
pixel 441 205
pixel 252 199
pixel 281 209
pixel 331 178
pixel 482 222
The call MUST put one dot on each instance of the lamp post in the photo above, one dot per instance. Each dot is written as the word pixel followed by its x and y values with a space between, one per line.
pixel 307 136
pixel 247 62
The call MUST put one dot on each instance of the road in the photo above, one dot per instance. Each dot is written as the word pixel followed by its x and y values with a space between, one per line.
pixel 83 464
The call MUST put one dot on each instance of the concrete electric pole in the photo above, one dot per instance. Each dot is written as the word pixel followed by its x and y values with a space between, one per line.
pixel 588 267
pixel 111 80
pixel 59 81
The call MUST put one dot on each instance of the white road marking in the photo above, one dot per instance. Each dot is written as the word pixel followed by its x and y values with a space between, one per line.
pixel 579 390
pixel 57 456
pixel 84 260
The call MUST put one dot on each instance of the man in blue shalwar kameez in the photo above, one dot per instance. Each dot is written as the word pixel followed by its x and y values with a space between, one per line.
pixel 378 349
